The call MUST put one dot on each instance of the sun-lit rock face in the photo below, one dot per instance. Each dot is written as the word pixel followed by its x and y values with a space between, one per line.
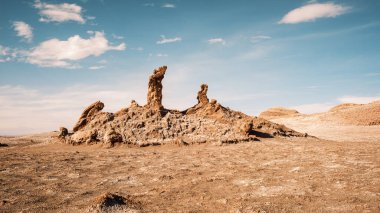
pixel 152 124
pixel 88 114
pixel 154 97
pixel 202 95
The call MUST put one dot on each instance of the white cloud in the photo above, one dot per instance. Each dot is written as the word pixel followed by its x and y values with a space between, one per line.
pixel 117 37
pixel 162 55
pixel 149 4
pixel 165 40
pixel 259 38
pixel 167 5
pixel 358 99
pixel 216 41
pixel 23 30
pixel 58 53
pixel 59 12
pixel 313 11
pixel 103 61
pixel 138 49
pixel 8 54
pixel 313 108
pixel 96 67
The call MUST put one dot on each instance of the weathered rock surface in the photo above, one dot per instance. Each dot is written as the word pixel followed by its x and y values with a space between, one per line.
pixel 202 95
pixel 152 124
pixel 154 99
pixel 63 132
pixel 87 115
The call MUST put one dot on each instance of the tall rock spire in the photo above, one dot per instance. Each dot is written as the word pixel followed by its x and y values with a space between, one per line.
pixel 154 97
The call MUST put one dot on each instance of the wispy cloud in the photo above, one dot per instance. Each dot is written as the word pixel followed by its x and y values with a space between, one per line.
pixel 5 53
pixel 96 67
pixel 140 49
pixel 313 11
pixel 359 99
pixel 167 5
pixel 23 30
pixel 59 12
pixel 165 40
pixel 117 37
pixel 216 41
pixel 162 55
pixel 150 4
pixel 259 38
pixel 8 54
pixel 58 53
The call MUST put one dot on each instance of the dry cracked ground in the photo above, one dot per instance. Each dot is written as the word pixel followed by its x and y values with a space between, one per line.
pixel 38 174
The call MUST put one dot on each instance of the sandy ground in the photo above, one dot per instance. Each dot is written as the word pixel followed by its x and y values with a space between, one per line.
pixel 274 175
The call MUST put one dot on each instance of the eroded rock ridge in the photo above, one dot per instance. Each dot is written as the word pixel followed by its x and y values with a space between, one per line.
pixel 152 124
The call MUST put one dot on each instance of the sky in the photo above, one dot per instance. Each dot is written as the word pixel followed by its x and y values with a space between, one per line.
pixel 58 57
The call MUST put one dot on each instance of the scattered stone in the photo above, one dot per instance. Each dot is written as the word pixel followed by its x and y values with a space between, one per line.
pixel 63 132
pixel 3 145
pixel 110 202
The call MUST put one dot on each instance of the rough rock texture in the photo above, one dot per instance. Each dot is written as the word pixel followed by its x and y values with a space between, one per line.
pixel 202 95
pixel 154 100
pixel 63 132
pixel 152 124
pixel 87 115
pixel 111 202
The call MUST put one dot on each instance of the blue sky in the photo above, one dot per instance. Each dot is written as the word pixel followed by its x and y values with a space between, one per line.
pixel 57 57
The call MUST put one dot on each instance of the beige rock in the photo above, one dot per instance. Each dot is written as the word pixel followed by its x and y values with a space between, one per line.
pixel 154 98
pixel 87 115
pixel 202 95
pixel 63 132
pixel 206 122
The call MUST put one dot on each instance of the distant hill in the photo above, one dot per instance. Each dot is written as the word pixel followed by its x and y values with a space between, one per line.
pixel 346 114
pixel 278 112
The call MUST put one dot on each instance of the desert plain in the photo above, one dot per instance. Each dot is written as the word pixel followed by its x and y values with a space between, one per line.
pixel 338 171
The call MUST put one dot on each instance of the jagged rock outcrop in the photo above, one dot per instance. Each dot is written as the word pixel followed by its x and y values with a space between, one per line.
pixel 154 98
pixel 202 95
pixel 207 121
pixel 87 115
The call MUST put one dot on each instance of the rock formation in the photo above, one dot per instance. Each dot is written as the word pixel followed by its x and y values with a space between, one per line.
pixel 154 98
pixel 87 115
pixel 207 121
pixel 202 95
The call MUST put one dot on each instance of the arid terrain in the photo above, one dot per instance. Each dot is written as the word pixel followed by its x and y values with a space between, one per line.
pixel 273 175
pixel 207 158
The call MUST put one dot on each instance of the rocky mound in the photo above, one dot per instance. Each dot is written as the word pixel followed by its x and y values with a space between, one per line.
pixel 278 112
pixel 152 124
pixel 110 202
pixel 356 114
